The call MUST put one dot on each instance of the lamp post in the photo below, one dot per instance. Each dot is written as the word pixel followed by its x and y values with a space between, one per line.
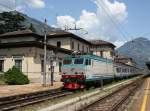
pixel 45 53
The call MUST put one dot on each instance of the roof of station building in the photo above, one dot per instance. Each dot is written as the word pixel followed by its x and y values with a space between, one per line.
pixel 19 33
pixel 101 42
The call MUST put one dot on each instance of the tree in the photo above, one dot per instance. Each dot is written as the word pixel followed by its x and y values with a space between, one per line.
pixel 32 28
pixel 11 21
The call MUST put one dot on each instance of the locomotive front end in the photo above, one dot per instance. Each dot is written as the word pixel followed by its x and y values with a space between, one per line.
pixel 73 73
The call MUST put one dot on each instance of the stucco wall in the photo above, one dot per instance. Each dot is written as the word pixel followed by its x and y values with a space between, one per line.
pixel 67 43
pixel 106 51
pixel 76 42
pixel 31 62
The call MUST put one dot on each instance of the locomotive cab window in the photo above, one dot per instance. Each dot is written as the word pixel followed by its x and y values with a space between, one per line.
pixel 67 61
pixel 88 62
pixel 79 61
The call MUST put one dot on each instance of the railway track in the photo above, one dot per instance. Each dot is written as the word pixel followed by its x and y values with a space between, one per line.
pixel 115 100
pixel 14 102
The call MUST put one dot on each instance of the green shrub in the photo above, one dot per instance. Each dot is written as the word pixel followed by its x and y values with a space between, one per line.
pixel 15 77
pixel 2 79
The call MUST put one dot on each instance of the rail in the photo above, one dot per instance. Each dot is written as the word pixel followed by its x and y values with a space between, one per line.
pixel 17 101
pixel 114 100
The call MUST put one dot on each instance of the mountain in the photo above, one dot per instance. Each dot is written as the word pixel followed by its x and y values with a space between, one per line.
pixel 27 22
pixel 38 25
pixel 138 49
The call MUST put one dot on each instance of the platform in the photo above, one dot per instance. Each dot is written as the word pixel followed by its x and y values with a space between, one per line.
pixel 141 101
pixel 9 90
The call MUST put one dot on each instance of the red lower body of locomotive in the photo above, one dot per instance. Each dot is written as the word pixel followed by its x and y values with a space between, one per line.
pixel 73 82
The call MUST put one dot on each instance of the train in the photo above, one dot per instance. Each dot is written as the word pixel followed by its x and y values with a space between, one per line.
pixel 85 71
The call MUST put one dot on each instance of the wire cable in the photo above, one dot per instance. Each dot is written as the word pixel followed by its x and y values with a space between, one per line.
pixel 105 8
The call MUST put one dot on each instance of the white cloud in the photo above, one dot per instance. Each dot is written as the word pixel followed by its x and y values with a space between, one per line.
pixel 8 5
pixel 36 3
pixel 99 24
pixel 63 21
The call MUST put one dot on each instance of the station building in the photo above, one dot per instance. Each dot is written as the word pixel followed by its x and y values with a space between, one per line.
pixel 69 41
pixel 103 48
pixel 25 50
pixel 126 65
pixel 125 60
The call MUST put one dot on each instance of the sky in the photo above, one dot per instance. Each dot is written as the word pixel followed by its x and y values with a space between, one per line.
pixel 116 21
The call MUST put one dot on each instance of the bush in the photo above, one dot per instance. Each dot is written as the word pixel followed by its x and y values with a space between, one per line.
pixel 2 79
pixel 15 77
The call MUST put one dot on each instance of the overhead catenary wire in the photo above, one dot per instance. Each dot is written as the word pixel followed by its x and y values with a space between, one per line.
pixel 107 10
pixel 8 7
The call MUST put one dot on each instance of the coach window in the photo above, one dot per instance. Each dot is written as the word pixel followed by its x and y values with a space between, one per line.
pixel 118 70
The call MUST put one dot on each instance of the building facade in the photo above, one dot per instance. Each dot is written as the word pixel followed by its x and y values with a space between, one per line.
pixel 103 49
pixel 24 50
pixel 69 41
pixel 125 60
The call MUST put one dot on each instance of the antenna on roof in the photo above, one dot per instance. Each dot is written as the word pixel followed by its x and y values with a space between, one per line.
pixel 75 28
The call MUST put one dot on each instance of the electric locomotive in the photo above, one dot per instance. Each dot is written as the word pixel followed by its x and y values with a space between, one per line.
pixel 82 71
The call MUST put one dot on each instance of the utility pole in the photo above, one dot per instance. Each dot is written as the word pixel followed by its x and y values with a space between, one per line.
pixel 45 53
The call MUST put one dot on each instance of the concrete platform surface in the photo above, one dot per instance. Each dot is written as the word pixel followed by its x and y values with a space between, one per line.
pixel 9 90
pixel 141 101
